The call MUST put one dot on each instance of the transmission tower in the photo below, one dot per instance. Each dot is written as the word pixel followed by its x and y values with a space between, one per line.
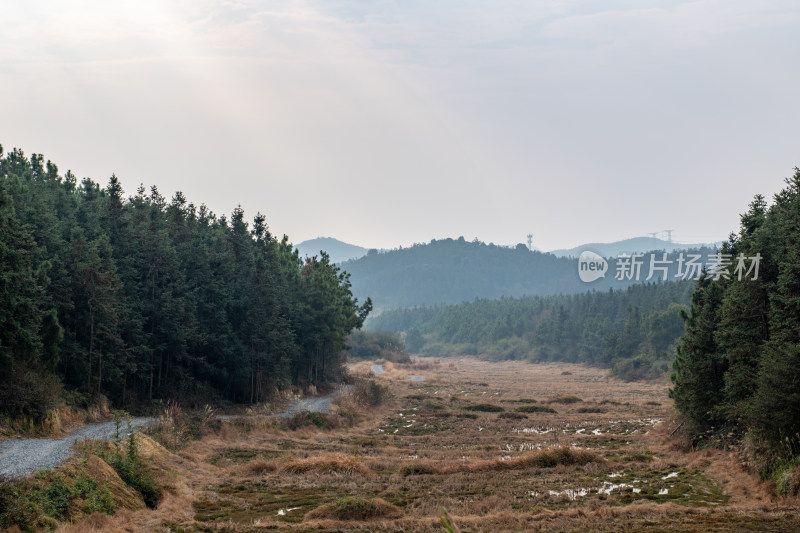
pixel 530 242
pixel 669 234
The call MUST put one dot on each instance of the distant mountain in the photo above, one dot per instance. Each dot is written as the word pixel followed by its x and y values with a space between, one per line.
pixel 338 251
pixel 629 246
pixel 454 270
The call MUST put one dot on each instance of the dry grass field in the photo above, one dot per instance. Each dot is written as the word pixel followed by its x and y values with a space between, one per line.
pixel 504 446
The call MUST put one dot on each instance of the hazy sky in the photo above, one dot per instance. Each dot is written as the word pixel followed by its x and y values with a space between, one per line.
pixel 387 123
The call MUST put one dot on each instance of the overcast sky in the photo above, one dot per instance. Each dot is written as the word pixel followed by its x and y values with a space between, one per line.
pixel 387 123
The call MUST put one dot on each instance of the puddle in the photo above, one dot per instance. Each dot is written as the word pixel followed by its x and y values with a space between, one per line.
pixel 377 369
pixel 416 378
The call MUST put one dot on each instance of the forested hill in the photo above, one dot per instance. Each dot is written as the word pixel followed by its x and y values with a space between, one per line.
pixel 632 330
pixel 337 250
pixel 144 298
pixel 454 270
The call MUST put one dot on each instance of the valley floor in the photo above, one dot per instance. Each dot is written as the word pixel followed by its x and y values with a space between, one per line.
pixel 476 439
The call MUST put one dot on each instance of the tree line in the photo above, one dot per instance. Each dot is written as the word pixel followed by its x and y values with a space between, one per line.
pixel 633 330
pixel 142 298
pixel 737 370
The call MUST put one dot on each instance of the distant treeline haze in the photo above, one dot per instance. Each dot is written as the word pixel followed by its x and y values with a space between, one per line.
pixel 142 298
pixel 633 330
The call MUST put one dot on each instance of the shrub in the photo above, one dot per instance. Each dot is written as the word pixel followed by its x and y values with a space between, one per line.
pixel 566 400
pixel 550 458
pixel 176 427
pixel 418 469
pixel 34 505
pixel 484 408
pixel 513 416
pixel 591 410
pixel 354 508
pixel 371 393
pixel 27 391
pixel 534 409
pixel 132 470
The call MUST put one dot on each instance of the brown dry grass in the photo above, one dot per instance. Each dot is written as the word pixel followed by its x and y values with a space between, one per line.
pixel 421 451
pixel 334 462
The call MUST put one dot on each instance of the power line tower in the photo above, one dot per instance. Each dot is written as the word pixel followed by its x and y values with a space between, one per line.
pixel 669 234
pixel 530 242
pixel 653 235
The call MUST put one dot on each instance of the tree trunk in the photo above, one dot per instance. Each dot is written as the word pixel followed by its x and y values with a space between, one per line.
pixel 91 348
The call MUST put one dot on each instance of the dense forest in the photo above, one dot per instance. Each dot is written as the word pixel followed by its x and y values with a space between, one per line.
pixel 633 331
pixel 140 298
pixel 451 271
pixel 737 370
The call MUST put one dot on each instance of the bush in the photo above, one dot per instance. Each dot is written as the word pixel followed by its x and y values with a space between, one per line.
pixel 27 391
pixel 484 408
pixel 566 400
pixel 304 419
pixel 534 409
pixel 353 508
pixel 131 470
pixel 377 345
pixel 513 416
pixel 175 427
pixel 34 505
pixel 418 469
pixel 371 393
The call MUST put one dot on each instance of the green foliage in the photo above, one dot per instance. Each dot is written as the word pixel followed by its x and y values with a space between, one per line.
pixel 142 298
pixel 513 416
pixel 484 408
pixel 738 366
pixel 132 470
pixel 303 419
pixel 41 503
pixel 633 331
pixel 534 409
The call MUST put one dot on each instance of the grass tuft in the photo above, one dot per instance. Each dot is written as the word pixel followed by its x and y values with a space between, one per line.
pixel 566 400
pixel 354 508
pixel 334 462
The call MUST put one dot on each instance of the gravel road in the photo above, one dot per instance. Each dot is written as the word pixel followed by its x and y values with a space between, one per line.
pixel 23 456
